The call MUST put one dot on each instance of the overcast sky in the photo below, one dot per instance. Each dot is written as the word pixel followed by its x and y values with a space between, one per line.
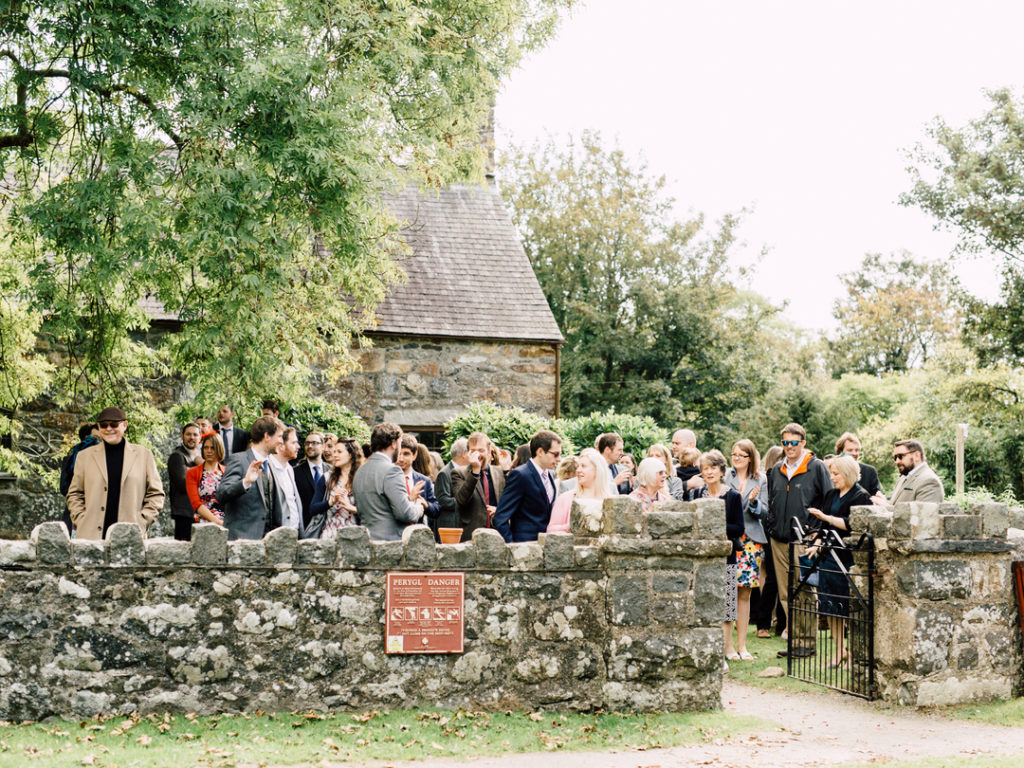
pixel 802 111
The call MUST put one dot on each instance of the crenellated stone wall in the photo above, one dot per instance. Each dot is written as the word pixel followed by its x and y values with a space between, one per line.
pixel 946 620
pixel 625 615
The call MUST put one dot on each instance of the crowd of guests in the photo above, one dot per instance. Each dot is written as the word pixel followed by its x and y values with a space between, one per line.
pixel 253 481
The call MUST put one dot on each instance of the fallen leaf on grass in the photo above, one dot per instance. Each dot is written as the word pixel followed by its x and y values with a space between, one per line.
pixel 437 746
pixel 536 716
pixel 144 740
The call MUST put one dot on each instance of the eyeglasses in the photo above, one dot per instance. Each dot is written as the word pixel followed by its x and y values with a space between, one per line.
pixel 108 424
pixel 313 442
pixel 791 443
pixel 739 455
pixel 898 456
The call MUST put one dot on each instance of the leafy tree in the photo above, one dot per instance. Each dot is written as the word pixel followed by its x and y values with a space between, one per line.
pixel 508 427
pixel 652 320
pixel 896 312
pixel 225 159
pixel 972 181
pixel 638 433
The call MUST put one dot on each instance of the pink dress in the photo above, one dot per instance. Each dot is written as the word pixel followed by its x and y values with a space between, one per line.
pixel 338 516
pixel 560 512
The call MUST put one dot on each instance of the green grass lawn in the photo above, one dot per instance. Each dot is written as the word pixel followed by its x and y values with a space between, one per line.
pixel 764 653
pixel 228 740
pixel 1010 712
pixel 1009 761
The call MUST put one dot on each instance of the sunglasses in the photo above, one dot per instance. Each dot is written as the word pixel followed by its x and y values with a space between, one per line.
pixel 898 456
pixel 108 424
pixel 791 443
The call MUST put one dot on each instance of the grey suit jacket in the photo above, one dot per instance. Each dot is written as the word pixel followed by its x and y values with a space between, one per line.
pixel 920 484
pixel 382 500
pixel 247 514
pixel 449 517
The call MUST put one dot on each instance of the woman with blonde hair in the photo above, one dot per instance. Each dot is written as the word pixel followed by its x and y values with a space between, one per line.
pixel 750 483
pixel 591 489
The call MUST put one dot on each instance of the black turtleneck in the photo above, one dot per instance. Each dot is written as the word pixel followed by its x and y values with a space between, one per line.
pixel 115 465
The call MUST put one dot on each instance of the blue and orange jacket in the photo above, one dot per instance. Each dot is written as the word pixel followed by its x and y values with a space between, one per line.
pixel 789 497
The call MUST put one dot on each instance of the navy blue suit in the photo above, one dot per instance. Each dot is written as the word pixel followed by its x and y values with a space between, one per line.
pixel 433 505
pixel 524 509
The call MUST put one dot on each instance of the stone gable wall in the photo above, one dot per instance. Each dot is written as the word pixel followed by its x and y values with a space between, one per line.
pixel 425 382
pixel 626 615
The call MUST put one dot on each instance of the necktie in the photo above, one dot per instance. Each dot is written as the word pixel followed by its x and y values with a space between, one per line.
pixel 225 436
pixel 408 486
pixel 316 474
pixel 485 486
pixel 549 486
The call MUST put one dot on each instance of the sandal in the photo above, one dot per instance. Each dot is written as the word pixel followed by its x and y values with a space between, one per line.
pixel 764 634
pixel 745 656
pixel 732 656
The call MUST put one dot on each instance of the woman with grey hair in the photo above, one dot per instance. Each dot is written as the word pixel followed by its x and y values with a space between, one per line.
pixel 673 484
pixel 650 478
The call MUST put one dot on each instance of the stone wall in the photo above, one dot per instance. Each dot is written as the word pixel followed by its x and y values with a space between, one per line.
pixel 946 627
pixel 425 382
pixel 626 615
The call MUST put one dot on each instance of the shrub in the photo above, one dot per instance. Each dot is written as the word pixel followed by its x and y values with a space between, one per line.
pixel 638 433
pixel 507 426
pixel 325 416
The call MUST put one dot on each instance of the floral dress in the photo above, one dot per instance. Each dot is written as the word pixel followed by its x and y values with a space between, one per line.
pixel 646 499
pixel 338 516
pixel 208 485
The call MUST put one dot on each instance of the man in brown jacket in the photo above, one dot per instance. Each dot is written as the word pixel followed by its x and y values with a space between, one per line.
pixel 114 482
pixel 478 486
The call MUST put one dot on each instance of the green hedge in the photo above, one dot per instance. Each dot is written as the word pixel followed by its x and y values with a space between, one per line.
pixel 638 433
pixel 507 426
pixel 324 416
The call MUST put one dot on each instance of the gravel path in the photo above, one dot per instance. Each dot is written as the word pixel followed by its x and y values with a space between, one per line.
pixel 814 729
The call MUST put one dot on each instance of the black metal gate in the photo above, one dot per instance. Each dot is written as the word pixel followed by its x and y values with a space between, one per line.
pixel 832 613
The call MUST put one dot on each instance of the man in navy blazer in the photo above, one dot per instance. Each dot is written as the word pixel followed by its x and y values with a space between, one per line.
pixel 413 479
pixel 524 508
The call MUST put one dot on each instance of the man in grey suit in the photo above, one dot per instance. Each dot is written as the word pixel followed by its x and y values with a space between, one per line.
pixel 252 500
pixel 917 482
pixel 449 517
pixel 384 504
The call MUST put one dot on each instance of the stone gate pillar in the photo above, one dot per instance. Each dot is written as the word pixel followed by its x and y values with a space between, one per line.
pixel 946 628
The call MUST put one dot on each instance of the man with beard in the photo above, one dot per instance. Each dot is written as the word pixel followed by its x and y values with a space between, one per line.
pixel 917 482
pixel 181 460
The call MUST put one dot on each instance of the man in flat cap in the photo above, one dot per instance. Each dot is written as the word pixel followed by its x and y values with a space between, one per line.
pixel 114 482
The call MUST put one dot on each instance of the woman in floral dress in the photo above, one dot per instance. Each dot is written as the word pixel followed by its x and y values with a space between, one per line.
pixel 202 480
pixel 335 495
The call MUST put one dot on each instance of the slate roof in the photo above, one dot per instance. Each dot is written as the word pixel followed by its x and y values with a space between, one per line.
pixel 468 276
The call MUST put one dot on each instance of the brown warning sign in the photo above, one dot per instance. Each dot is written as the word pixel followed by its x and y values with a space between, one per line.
pixel 424 612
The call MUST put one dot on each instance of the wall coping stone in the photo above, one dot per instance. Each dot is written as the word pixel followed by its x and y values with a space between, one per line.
pixel 125 545
pixel 165 551
pixel 209 544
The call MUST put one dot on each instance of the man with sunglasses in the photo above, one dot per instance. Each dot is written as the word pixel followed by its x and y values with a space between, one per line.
pixel 797 482
pixel 114 482
pixel 917 480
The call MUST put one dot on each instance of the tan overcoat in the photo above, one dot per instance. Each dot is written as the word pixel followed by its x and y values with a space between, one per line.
pixel 142 492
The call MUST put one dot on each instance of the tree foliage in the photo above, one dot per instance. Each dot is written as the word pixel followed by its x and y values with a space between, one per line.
pixel 971 179
pixel 896 312
pixel 638 433
pixel 653 321
pixel 225 159
pixel 507 426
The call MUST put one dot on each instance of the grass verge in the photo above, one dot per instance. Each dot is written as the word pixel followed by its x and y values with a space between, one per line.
pixel 229 740
pixel 765 653
pixel 1002 761
pixel 1009 712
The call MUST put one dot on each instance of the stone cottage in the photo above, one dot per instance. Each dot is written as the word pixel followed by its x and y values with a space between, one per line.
pixel 471 323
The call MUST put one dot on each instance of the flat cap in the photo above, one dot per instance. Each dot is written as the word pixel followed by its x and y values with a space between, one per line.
pixel 111 414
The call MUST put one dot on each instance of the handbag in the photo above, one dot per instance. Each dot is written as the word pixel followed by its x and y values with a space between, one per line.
pixel 316 526
pixel 807 566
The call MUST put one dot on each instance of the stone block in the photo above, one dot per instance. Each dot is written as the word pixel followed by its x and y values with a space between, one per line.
pixel 353 546
pixel 418 544
pixel 587 557
pixel 709 593
pixel 1016 517
pixel 960 526
pixel 586 521
pixel 87 552
pixel 491 549
pixel 709 518
pixel 168 552
pixel 21 553
pixel 558 551
pixel 53 545
pixel 936 579
pixel 125 545
pixel 456 557
pixel 995 519
pixel 668 523
pixel 317 551
pixel 526 556
pixel 933 636
pixel 386 554
pixel 209 544
pixel 875 520
pixel 667 581
pixel 692 548
pixel 281 545
pixel 247 553
pixel 916 520
pixel 624 545
pixel 628 600
pixel 622 515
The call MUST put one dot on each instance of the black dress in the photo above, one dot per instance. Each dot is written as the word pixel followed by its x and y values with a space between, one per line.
pixel 833 584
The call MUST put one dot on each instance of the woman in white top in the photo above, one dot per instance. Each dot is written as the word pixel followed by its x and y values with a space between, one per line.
pixel 591 489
